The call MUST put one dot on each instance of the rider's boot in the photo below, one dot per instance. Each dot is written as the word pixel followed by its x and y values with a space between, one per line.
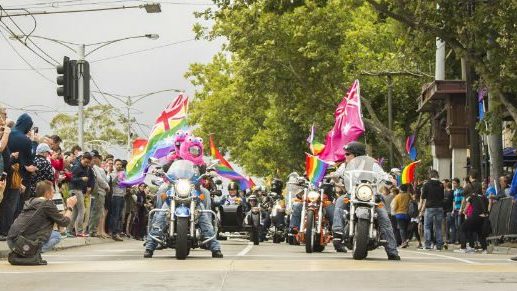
pixel 217 254
pixel 148 253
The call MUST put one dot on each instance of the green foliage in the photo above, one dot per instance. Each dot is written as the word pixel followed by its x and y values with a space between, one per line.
pixel 101 124
pixel 286 65
pixel 483 32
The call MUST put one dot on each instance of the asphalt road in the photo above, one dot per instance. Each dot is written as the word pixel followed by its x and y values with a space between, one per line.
pixel 121 266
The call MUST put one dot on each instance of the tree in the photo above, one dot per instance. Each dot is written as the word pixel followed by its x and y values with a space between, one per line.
pixel 286 66
pixel 102 123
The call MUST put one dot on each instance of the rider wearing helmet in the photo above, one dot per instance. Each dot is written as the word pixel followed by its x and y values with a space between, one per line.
pixel 352 150
pixel 190 149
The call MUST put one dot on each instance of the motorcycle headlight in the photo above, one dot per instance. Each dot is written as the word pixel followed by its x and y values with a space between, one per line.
pixel 183 188
pixel 364 192
pixel 313 196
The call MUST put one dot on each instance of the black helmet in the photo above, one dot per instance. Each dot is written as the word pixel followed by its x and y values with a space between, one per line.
pixel 233 186
pixel 277 185
pixel 355 148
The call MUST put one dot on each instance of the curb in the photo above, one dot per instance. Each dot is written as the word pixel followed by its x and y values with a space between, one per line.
pixel 66 243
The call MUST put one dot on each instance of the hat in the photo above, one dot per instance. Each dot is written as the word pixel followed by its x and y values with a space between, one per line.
pixel 95 154
pixel 43 148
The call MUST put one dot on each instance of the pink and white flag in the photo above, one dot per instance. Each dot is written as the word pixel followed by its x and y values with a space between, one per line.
pixel 348 125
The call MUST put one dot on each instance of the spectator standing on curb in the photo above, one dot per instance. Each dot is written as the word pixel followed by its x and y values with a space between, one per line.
pixel 400 208
pixel 448 199
pixel 104 228
pixel 17 158
pixel 414 220
pixel 35 223
pixel 457 218
pixel 79 185
pixel 45 171
pixel 431 207
pixel 117 201
pixel 98 195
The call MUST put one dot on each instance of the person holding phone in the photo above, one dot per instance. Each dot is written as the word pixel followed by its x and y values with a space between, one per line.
pixel 81 181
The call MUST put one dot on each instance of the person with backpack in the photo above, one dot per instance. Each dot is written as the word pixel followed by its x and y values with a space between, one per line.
pixel 399 209
pixel 32 232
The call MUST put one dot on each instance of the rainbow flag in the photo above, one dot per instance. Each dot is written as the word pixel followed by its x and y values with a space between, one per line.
pixel 315 168
pixel 224 169
pixel 315 146
pixel 408 173
pixel 160 140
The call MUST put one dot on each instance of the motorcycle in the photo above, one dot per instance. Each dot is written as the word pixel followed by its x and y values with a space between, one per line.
pixel 253 220
pixel 363 228
pixel 278 218
pixel 182 232
pixel 314 230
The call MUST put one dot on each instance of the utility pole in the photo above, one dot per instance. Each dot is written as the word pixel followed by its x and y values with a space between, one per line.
pixel 389 79
pixel 80 76
pixel 390 115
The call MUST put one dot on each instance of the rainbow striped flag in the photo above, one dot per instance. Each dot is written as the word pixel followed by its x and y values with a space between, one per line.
pixel 224 169
pixel 315 146
pixel 408 173
pixel 315 168
pixel 160 141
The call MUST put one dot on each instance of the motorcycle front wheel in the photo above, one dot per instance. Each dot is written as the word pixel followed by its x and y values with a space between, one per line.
pixel 182 247
pixel 310 235
pixel 361 239
pixel 255 225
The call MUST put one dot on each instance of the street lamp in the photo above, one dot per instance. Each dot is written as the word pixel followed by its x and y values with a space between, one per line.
pixel 129 102
pixel 149 8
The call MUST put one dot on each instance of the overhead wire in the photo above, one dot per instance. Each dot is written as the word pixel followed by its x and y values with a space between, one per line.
pixel 143 50
pixel 25 34
pixel 25 60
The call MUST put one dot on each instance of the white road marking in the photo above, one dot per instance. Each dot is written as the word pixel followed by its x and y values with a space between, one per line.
pixel 245 250
pixel 446 257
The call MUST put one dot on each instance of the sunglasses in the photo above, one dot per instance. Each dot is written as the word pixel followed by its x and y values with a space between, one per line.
pixel 348 154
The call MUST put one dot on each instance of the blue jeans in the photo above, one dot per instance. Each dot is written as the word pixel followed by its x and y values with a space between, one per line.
pixel 159 223
pixel 54 239
pixel 296 215
pixel 451 227
pixel 433 219
pixel 117 206
pixel 7 209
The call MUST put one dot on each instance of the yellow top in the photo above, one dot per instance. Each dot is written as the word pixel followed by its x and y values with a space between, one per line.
pixel 400 204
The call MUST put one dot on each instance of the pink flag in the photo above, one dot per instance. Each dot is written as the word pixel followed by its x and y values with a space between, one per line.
pixel 348 125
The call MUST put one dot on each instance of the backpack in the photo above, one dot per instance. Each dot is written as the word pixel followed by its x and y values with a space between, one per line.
pixel 413 209
pixel 16 177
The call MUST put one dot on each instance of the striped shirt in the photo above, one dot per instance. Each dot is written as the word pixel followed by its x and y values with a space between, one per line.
pixel 458 197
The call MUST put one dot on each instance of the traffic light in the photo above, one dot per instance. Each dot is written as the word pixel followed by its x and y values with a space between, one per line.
pixel 69 75
pixel 65 79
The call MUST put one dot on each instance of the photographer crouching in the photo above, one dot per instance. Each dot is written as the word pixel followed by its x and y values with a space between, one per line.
pixel 32 232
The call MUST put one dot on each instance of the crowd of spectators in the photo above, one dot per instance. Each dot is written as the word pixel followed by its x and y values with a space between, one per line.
pixel 440 213
pixel 103 208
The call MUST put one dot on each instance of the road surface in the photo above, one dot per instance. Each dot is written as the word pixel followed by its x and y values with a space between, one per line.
pixel 121 266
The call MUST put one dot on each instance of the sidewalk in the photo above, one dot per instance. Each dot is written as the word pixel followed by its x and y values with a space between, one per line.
pixel 65 243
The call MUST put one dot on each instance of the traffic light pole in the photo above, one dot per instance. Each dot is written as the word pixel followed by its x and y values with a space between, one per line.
pixel 80 77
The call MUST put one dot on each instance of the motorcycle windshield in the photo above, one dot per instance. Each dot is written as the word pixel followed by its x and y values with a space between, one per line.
pixel 182 169
pixel 359 170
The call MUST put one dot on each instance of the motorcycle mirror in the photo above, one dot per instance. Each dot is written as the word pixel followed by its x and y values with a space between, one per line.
pixel 218 182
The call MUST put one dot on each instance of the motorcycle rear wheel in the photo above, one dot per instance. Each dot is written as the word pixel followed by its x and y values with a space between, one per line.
pixel 361 239
pixel 182 245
